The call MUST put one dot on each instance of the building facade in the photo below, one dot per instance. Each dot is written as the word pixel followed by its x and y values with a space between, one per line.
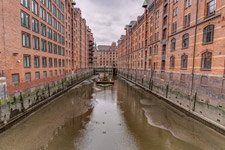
pixel 107 55
pixel 178 44
pixel 42 41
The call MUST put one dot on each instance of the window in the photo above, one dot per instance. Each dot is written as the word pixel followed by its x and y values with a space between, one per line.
pixel 43 45
pixel 54 10
pixel 50 73
pixel 42 1
pixel 35 25
pixel 60 63
pixel 188 3
pixel 49 47
pixel 59 50
pixel 63 52
pixel 155 50
pixel 185 41
pixel 25 40
pixel 187 20
pixel 175 12
pixel 49 33
pixel 44 74
pixel 26 61
pixel 49 5
pixel 62 29
pixel 208 34
pixel 55 49
pixel 59 38
pixel 44 62
pixel 54 23
pixel 49 18
pixel 55 62
pixel 184 61
pixel 172 62
pixel 59 14
pixel 37 75
pixel 25 3
pixel 59 26
pixel 174 29
pixel 35 43
pixel 62 18
pixel 63 41
pixel 42 13
pixel 50 62
pixel 15 78
pixel 34 6
pixel 43 29
pixel 25 20
pixel 54 36
pixel 206 61
pixel 173 44
pixel 58 3
pixel 27 76
pixel 62 7
pixel 36 62
pixel 211 7
pixel 59 72
pixel 55 72
pixel 63 63
pixel 150 51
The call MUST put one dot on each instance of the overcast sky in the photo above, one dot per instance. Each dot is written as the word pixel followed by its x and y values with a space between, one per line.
pixel 107 18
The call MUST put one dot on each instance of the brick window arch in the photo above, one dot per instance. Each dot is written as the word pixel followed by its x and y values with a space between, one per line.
pixel 206 61
pixel 184 61
pixel 173 44
pixel 208 34
pixel 185 41
pixel 172 62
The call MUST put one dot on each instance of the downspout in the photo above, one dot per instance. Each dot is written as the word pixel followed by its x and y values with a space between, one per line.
pixel 3 37
pixel 193 65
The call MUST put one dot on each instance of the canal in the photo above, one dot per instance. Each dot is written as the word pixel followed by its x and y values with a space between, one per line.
pixel 120 117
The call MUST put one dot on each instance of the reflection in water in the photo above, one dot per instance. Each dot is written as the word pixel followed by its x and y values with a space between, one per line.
pixel 120 117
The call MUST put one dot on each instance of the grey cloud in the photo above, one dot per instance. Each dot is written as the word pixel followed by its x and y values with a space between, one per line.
pixel 107 18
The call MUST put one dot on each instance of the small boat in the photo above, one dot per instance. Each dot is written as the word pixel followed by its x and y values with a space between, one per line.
pixel 104 80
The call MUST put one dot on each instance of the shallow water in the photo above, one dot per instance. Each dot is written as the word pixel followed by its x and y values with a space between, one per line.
pixel 120 117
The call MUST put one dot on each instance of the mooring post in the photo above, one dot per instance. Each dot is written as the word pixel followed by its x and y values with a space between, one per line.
pixel 195 99
pixel 49 93
pixel 167 90
pixel 21 101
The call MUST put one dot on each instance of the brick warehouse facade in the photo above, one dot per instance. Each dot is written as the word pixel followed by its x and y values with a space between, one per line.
pixel 179 45
pixel 106 55
pixel 41 41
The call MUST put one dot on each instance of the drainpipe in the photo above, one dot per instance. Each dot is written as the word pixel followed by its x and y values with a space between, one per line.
pixel 193 65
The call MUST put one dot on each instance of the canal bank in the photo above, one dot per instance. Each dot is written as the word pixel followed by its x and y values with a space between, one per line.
pixel 23 103
pixel 172 99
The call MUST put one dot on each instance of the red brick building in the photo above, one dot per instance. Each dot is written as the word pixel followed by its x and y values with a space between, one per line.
pixel 42 41
pixel 179 43
pixel 107 55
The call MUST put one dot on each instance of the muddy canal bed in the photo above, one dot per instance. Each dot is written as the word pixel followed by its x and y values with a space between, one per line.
pixel 119 117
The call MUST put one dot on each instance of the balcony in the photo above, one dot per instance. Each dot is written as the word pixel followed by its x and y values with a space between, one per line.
pixel 164 42
pixel 165 27
pixel 164 57
pixel 165 3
